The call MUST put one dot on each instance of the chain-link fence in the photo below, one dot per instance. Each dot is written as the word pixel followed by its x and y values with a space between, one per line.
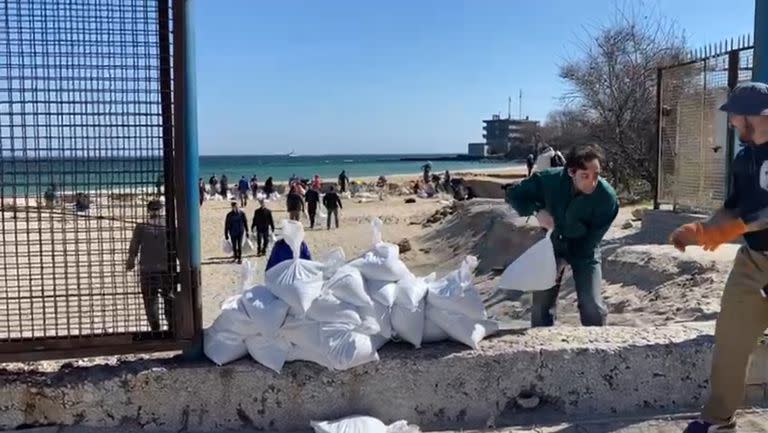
pixel 695 142
pixel 88 251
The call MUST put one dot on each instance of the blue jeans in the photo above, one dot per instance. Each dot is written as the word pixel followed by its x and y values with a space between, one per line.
pixel 588 279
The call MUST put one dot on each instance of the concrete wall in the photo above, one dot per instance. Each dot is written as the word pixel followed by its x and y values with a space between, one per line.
pixel 572 371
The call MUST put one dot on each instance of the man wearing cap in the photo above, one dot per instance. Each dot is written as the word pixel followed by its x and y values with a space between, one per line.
pixel 149 244
pixel 744 308
pixel 235 229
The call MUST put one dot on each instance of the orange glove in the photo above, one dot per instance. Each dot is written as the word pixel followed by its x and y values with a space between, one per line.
pixel 709 237
pixel 713 236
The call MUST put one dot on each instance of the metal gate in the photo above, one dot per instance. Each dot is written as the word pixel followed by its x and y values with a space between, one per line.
pixel 696 143
pixel 90 258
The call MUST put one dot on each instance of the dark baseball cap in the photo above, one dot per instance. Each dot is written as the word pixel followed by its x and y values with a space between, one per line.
pixel 748 99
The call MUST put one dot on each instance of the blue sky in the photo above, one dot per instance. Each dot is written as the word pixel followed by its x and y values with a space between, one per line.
pixel 401 76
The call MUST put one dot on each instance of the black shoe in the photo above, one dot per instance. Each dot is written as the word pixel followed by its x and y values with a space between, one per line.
pixel 700 426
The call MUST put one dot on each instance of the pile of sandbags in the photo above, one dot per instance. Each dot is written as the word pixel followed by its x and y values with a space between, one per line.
pixel 338 313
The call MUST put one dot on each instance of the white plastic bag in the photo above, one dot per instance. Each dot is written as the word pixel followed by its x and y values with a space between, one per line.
pixel 347 284
pixel 329 309
pixel 233 319
pixel 408 324
pixel 460 327
pixel 383 292
pixel 334 346
pixel 411 290
pixel 382 314
pixel 362 424
pixel 266 312
pixel 297 282
pixel 333 259
pixel 226 247
pixel 223 347
pixel 455 292
pixel 247 275
pixel 382 262
pixel 267 351
pixel 535 270
pixel 247 245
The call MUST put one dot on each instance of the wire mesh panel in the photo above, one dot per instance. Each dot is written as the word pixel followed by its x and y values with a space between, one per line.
pixel 693 133
pixel 87 223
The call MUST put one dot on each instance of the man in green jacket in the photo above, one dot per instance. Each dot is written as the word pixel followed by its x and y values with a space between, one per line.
pixel 578 206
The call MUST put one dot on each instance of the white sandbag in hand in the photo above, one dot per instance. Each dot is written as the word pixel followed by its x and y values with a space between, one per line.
pixel 247 245
pixel 535 270
pixel 362 424
pixel 297 281
pixel 226 247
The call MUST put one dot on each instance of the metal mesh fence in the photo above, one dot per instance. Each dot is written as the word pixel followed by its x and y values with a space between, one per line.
pixel 85 146
pixel 693 133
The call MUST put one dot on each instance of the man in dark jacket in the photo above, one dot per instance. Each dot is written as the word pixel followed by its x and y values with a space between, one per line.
pixel 343 181
pixel 262 223
pixel 242 188
pixel 224 184
pixel 235 229
pixel 743 316
pixel 282 252
pixel 294 204
pixel 149 245
pixel 579 207
pixel 312 197
pixel 332 203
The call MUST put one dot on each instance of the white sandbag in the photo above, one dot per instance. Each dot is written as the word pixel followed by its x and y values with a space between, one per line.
pixel 455 292
pixel 382 262
pixel 432 332
pixel 535 270
pixel 223 347
pixel 362 424
pixel 411 290
pixel 226 247
pixel 233 319
pixel 382 314
pixel 265 311
pixel 334 346
pixel 462 328
pixel 408 324
pixel 297 282
pixel 267 351
pixel 347 284
pixel 329 309
pixel 333 259
pixel 383 292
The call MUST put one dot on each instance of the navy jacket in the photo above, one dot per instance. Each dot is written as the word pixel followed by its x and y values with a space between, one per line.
pixel 749 191
pixel 236 223
pixel 282 252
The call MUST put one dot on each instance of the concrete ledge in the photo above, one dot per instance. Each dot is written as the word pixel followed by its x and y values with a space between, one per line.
pixel 572 371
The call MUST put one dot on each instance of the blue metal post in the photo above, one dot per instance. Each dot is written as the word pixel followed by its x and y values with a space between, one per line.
pixel 190 138
pixel 760 59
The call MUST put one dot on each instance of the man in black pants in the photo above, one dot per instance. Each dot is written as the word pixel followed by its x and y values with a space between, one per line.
pixel 332 204
pixel 235 227
pixel 312 198
pixel 262 222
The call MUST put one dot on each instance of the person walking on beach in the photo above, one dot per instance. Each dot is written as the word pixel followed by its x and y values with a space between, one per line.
pixel 254 186
pixel 529 162
pixel 312 198
pixel 213 183
pixel 224 183
pixel 427 170
pixel 294 204
pixel 51 196
pixel 261 225
pixel 269 187
pixel 317 183
pixel 343 181
pixel 242 189
pixel 332 203
pixel 201 190
pixel 235 230
pixel 149 245
pixel 578 206
pixel 743 314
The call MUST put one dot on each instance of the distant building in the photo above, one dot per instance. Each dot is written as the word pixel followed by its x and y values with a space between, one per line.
pixel 515 138
pixel 477 149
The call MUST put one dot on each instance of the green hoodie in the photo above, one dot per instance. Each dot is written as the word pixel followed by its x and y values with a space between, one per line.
pixel 581 220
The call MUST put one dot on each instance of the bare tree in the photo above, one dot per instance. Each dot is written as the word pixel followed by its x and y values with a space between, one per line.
pixel 566 128
pixel 613 82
